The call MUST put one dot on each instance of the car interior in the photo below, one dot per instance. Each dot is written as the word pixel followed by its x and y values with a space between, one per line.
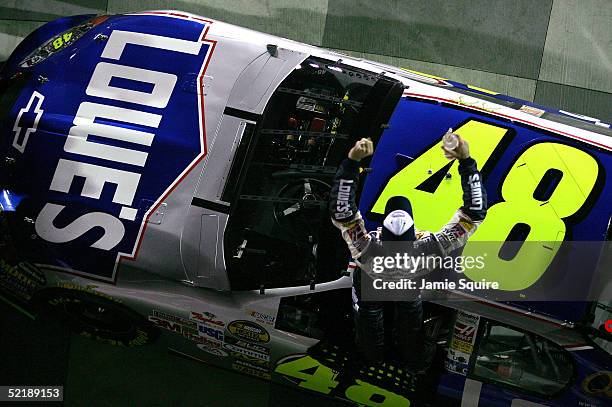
pixel 279 233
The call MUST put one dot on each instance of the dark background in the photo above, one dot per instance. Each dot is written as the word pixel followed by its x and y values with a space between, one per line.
pixel 42 352
pixel 553 52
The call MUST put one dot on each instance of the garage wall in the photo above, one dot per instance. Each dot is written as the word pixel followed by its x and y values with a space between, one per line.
pixel 554 52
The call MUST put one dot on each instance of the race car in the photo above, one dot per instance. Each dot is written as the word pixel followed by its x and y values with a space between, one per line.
pixel 165 177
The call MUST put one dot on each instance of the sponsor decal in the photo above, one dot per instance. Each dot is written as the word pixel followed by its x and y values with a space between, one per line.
pixel 168 325
pixel 210 333
pixel 462 342
pixel 468 318
pixel 134 135
pixel 255 361
pixel 174 318
pixel 27 120
pixel 251 369
pixel 464 332
pixel 89 288
pixel 263 318
pixel 454 233
pixel 476 103
pixel 467 226
pixel 188 329
pixel 21 280
pixel 249 331
pixel 212 349
pixel 461 346
pixel 248 345
pixel 355 234
pixel 457 361
pixel 207 318
pixel 343 206
pixel 534 111
pixel 250 354
pixel 475 191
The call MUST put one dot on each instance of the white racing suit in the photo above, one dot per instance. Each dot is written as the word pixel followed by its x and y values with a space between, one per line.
pixel 364 246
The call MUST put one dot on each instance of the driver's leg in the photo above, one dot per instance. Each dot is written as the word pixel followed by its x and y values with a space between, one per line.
pixel 408 333
pixel 369 327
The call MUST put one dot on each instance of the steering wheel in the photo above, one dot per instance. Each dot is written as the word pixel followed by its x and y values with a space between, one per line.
pixel 299 206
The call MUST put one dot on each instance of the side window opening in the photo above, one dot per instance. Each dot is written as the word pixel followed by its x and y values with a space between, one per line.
pixel 278 232
pixel 522 360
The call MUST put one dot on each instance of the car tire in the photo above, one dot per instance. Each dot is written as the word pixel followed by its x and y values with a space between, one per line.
pixel 97 316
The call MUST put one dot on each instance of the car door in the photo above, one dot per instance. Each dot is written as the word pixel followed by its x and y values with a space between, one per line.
pixel 511 367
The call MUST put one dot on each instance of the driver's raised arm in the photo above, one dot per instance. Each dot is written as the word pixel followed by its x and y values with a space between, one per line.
pixel 468 218
pixel 342 205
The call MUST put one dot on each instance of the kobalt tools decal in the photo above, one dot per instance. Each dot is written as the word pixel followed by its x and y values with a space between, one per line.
pixel 136 133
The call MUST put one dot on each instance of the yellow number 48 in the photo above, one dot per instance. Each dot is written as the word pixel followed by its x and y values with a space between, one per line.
pixel 548 182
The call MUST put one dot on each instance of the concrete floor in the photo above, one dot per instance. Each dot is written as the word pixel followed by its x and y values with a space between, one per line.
pixel 554 52
pixel 42 352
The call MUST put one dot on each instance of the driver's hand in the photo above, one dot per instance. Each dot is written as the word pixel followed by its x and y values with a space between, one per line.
pixel 362 149
pixel 462 151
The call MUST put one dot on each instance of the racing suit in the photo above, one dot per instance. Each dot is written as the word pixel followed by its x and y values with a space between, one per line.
pixel 364 246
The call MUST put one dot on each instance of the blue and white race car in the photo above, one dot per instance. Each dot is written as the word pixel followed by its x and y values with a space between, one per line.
pixel 165 177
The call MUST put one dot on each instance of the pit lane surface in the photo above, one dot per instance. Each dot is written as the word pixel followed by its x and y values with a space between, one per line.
pixel 42 352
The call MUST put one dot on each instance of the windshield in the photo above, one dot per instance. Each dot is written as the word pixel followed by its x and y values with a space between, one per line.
pixel 279 233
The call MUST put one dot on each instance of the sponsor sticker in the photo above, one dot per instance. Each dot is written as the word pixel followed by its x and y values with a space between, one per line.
pixel 249 331
pixel 176 324
pixel 534 111
pixel 212 349
pixel 251 369
pixel 263 318
pixel 462 342
pixel 89 288
pixel 457 361
pixel 251 354
pixel 464 332
pixel 21 280
pixel 467 226
pixel 207 318
pixel 248 345
pixel 461 346
pixel 210 333
pixel 174 318
pixel 468 318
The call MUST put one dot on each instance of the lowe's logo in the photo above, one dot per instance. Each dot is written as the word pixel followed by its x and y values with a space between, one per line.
pixel 116 154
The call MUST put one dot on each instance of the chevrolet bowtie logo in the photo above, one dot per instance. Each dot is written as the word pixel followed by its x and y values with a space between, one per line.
pixel 24 128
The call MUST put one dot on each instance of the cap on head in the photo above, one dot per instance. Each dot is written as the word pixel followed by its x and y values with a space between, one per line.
pixel 399 223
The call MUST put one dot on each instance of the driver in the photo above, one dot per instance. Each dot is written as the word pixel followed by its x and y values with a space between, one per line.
pixel 398 225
